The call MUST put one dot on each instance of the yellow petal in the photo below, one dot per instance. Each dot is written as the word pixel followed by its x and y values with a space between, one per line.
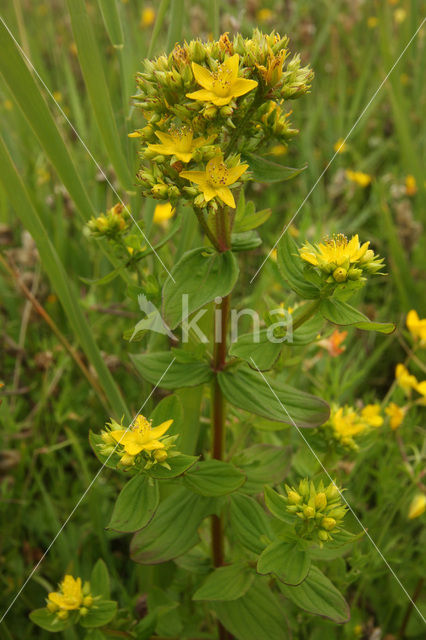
pixel 165 138
pixel 165 150
pixel 202 75
pixel 133 447
pixel 185 156
pixel 232 64
pixel 235 172
pixel 209 192
pixel 151 446
pixel 220 102
pixel 199 177
pixel 225 194
pixel 157 432
pixel 309 257
pixel 203 95
pixel 242 86
pixel 412 318
pixel 118 434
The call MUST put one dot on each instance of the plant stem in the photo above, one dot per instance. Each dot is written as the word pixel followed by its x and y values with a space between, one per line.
pixel 218 430
pixel 205 227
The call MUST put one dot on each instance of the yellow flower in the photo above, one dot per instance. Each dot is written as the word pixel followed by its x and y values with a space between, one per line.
pixel 343 259
pixel 340 146
pixel 163 213
pixel 147 17
pixel 416 326
pixel 372 22
pixel 346 424
pixel 70 596
pixel 278 150
pixel 404 378
pixel 215 180
pixel 219 87
pixel 396 415
pixel 371 414
pixel 421 388
pixel 399 15
pixel 417 506
pixel 141 436
pixel 360 178
pixel 179 143
pixel 263 15
pixel 273 71
pixel 410 185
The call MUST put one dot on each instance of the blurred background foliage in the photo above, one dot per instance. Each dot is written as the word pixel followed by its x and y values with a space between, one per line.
pixel 66 371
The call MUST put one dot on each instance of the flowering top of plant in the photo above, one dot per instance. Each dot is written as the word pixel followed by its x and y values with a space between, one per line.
pixel 139 443
pixel 346 424
pixel 70 597
pixel 341 259
pixel 112 224
pixel 216 178
pixel 319 509
pixel 208 99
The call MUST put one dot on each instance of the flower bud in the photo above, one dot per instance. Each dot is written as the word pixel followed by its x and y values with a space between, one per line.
pixel 160 455
pixel 320 500
pixel 52 607
pixel 323 535
pixel 62 615
pixel 88 601
pixel 84 611
pixel 328 523
pixel 417 506
pixel 309 512
pixel 160 191
pixel 340 274
pixel 294 497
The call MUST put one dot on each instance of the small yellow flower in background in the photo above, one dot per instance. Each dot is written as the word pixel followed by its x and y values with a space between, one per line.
pixel 110 224
pixel 219 87
pixel 215 180
pixel 147 17
pixel 163 213
pixel 399 15
pixel 274 255
pixel 341 259
pixel 264 15
pixel 57 95
pixel 417 506
pixel 371 414
pixel 43 176
pixel 405 379
pixel 134 134
pixel 359 178
pixel 346 425
pixel 141 436
pixel 421 388
pixel 278 150
pixel 179 143
pixel 410 185
pixel 340 146
pixel 396 415
pixel 416 326
pixel 372 22
pixel 69 597
pixel 8 105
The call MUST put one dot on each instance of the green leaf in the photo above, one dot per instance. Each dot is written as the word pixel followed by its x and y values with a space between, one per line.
pixel 110 461
pixel 173 530
pixel 250 219
pixel 202 276
pixel 152 367
pixel 245 241
pixel 286 561
pixel 264 352
pixel 277 505
pixel 267 171
pixel 319 596
pixel 111 17
pixel 213 478
pixel 249 523
pixel 247 390
pixel 99 580
pixel 261 464
pixel 178 465
pixel 342 313
pixel 257 614
pixel 97 88
pixel 25 91
pixel 226 583
pixel 291 267
pixel 101 612
pixel 136 505
pixel 50 621
pixel 64 288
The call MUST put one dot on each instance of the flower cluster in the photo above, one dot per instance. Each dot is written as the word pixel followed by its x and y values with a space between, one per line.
pixel 111 224
pixel 320 510
pixel 70 597
pixel 346 424
pixel 417 328
pixel 340 260
pixel 408 382
pixel 140 444
pixel 204 104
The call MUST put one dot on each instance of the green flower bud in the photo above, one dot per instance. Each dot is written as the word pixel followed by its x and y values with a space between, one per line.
pixel 320 500
pixel 294 497
pixel 309 512
pixel 52 607
pixel 328 523
pixel 88 601
pixel 84 611
pixel 160 191
pixel 340 274
pixel 62 615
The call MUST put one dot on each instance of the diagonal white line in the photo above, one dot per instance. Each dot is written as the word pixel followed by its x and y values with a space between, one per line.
pixel 80 500
pixel 98 166
pixel 341 495
pixel 337 151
